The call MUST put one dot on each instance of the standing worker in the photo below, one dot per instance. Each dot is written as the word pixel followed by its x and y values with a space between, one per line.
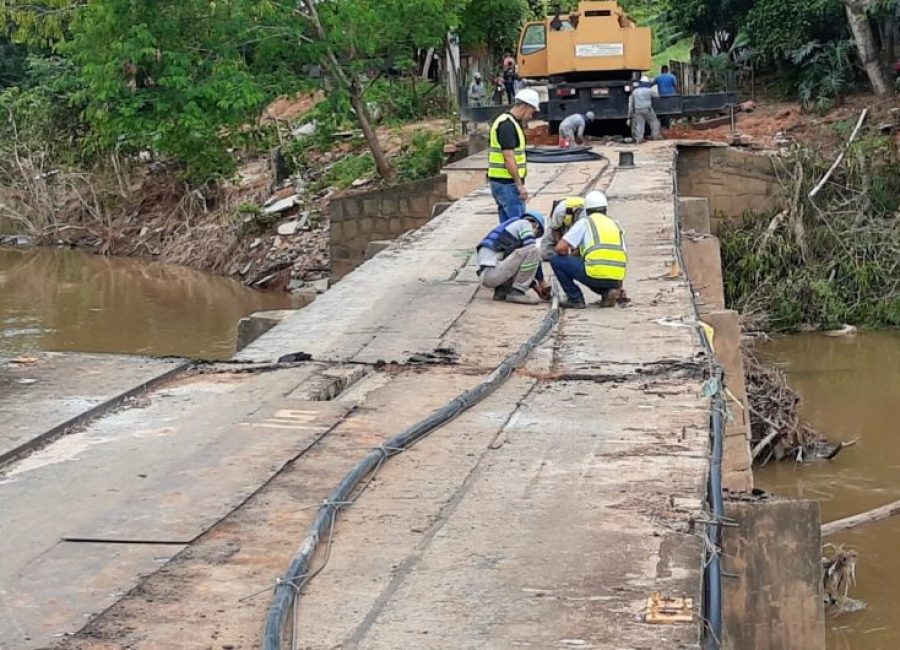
pixel 667 84
pixel 593 253
pixel 565 213
pixel 509 77
pixel 572 128
pixel 506 156
pixel 640 111
pixel 509 260
pixel 477 91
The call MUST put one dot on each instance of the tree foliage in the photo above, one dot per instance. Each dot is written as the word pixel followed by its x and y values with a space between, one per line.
pixel 41 23
pixel 171 76
pixel 494 23
pixel 775 28
pixel 716 22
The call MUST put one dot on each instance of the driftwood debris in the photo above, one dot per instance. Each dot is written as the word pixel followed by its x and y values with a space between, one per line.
pixel 867 517
pixel 775 423
pixel 837 161
pixel 838 572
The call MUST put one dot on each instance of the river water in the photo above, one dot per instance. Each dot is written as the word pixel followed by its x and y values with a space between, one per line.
pixel 850 388
pixel 67 300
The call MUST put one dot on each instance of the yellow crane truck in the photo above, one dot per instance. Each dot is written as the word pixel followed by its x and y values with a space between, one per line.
pixel 589 60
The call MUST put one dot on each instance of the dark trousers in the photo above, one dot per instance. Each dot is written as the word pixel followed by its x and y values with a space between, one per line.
pixel 510 90
pixel 569 268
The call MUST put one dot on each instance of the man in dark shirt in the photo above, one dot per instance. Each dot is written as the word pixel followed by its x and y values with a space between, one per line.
pixel 507 164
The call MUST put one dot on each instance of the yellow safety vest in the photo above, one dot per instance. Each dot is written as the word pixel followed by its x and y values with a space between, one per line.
pixel 605 257
pixel 496 166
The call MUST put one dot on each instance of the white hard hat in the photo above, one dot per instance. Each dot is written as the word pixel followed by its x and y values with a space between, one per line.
pixel 529 96
pixel 589 116
pixel 595 200
pixel 645 79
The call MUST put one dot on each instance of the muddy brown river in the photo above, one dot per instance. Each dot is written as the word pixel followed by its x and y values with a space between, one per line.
pixel 66 300
pixel 850 389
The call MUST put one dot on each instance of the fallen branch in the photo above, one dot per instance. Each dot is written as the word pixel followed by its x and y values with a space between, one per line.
pixel 868 517
pixel 838 449
pixel 834 165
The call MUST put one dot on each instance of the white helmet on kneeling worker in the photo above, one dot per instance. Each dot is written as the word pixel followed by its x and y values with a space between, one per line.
pixel 595 202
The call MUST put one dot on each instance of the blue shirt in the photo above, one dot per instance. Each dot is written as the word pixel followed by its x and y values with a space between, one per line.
pixel 666 83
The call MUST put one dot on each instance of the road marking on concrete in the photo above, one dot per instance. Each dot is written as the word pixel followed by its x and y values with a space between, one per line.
pixel 288 419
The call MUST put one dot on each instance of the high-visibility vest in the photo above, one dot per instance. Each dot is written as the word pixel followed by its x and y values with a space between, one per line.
pixel 604 254
pixel 574 205
pixel 496 165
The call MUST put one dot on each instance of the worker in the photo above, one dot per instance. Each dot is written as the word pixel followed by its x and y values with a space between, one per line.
pixel 667 85
pixel 572 128
pixel 564 214
pixel 477 92
pixel 593 253
pixel 510 74
pixel 507 167
pixel 640 111
pixel 509 260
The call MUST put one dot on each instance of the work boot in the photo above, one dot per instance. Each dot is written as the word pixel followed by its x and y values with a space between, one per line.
pixel 568 303
pixel 610 298
pixel 521 298
pixel 501 292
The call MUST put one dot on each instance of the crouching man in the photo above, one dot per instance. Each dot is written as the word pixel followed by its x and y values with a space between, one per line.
pixel 509 261
pixel 593 253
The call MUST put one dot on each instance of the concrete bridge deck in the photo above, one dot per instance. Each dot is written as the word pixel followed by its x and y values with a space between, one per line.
pixel 543 517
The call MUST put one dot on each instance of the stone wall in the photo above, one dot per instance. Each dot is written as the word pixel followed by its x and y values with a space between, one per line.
pixel 734 181
pixel 358 219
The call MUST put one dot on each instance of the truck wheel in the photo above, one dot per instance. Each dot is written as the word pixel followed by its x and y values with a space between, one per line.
pixel 553 127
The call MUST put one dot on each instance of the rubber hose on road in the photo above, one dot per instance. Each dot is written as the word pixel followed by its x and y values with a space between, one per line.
pixel 278 619
pixel 544 155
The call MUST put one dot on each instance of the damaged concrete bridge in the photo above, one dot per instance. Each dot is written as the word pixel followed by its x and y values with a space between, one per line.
pixel 547 515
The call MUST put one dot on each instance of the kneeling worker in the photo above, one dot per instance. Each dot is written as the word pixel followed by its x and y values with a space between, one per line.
pixel 565 213
pixel 509 260
pixel 593 253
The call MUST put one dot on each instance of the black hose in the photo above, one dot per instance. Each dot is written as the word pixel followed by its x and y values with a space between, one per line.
pixel 560 155
pixel 713 574
pixel 298 573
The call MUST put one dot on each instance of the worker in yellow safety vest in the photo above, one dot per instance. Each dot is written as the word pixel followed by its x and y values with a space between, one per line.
pixel 593 253
pixel 563 215
pixel 507 167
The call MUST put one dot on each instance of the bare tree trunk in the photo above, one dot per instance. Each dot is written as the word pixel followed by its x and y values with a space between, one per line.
pixel 365 122
pixel 353 87
pixel 865 44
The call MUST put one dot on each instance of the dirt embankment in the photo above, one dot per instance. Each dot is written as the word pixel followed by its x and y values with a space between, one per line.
pixel 268 227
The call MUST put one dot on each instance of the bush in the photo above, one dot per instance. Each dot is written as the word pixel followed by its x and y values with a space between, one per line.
pixel 823 73
pixel 422 157
pixel 828 260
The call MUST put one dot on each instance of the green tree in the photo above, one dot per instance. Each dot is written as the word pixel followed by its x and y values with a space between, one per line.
pixel 775 28
pixel 352 37
pixel 494 23
pixel 715 22
pixel 172 76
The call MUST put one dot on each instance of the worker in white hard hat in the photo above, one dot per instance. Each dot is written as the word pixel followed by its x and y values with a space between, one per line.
pixel 640 111
pixel 507 167
pixel 592 253
pixel 563 215
pixel 572 128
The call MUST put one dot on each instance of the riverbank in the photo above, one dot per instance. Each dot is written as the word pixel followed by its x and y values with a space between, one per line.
pixel 268 227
